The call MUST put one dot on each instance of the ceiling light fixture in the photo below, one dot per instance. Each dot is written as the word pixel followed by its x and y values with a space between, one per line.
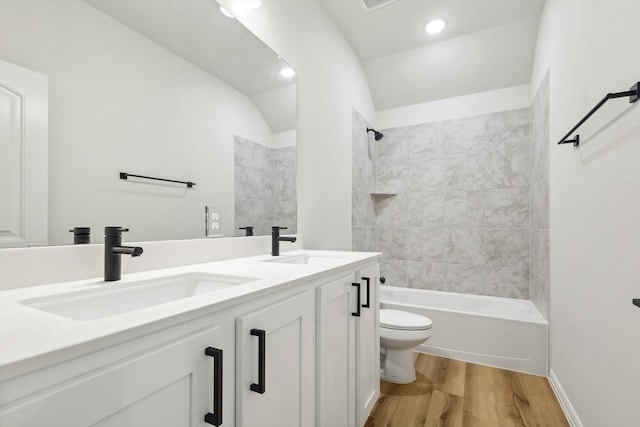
pixel 225 12
pixel 287 72
pixel 435 26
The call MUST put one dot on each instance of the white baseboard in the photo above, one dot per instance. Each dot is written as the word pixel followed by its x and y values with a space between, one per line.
pixel 565 404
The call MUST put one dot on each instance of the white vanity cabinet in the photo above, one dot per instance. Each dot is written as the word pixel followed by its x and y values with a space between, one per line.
pixel 275 344
pixel 302 356
pixel 164 379
pixel 368 344
pixel 348 352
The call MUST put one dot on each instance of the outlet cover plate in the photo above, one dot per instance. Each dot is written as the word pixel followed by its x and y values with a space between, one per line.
pixel 212 221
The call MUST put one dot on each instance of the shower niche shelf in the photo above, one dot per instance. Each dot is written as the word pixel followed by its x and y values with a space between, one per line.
pixel 382 194
pixel 381 200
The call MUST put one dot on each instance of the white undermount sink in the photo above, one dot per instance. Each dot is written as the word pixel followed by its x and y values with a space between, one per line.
pixel 116 298
pixel 305 259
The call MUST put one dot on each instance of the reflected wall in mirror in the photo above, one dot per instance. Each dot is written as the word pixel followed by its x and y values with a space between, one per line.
pixel 157 88
pixel 265 187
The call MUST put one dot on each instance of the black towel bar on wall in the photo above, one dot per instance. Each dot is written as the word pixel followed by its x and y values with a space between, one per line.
pixel 633 93
pixel 636 301
pixel 125 175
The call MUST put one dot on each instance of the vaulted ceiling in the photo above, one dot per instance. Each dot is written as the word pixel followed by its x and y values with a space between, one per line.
pixel 487 45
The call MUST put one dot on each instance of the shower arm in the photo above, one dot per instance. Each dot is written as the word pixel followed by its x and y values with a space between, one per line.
pixel 377 135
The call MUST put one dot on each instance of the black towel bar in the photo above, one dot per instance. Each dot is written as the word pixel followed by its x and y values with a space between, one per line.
pixel 125 175
pixel 633 93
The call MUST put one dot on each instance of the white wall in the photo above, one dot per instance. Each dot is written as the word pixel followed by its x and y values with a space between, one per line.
pixel 278 107
pixel 119 102
pixel 284 139
pixel 330 81
pixel 493 101
pixel 591 48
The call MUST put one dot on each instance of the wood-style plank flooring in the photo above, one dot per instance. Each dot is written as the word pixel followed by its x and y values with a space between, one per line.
pixel 451 393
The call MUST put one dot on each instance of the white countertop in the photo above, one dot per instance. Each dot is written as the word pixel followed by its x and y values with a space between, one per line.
pixel 31 338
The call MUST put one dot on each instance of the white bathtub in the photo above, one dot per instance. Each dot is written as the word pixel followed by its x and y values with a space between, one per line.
pixel 502 332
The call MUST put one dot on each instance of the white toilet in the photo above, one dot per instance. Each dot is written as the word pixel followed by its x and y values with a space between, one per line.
pixel 400 332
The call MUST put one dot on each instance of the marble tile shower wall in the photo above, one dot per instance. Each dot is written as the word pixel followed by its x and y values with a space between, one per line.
pixel 539 199
pixel 363 213
pixel 265 187
pixel 460 219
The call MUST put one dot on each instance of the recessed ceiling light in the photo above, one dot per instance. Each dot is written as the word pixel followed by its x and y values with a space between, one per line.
pixel 225 12
pixel 435 26
pixel 251 4
pixel 287 72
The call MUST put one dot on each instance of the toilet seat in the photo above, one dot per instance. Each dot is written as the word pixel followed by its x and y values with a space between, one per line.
pixel 403 320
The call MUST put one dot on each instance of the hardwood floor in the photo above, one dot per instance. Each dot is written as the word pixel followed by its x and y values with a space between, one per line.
pixel 451 393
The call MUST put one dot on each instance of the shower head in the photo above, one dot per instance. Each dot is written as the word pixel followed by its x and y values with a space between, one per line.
pixel 377 135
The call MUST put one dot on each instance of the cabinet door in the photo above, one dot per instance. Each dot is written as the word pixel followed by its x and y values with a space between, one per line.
pixel 274 346
pixel 335 353
pixel 169 385
pixel 368 345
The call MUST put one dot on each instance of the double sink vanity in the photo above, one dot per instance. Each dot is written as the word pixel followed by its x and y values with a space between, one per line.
pixel 255 341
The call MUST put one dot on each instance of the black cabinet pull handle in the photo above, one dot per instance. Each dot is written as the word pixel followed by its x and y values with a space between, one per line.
pixel 262 346
pixel 357 313
pixel 368 303
pixel 215 417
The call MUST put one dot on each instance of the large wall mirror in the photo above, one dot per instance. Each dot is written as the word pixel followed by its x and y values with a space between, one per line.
pixel 158 88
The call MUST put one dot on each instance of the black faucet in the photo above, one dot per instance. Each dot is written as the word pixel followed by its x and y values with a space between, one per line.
pixel 248 230
pixel 276 239
pixel 113 249
pixel 81 235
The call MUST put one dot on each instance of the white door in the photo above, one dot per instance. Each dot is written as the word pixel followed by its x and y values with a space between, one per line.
pixel 368 348
pixel 23 156
pixel 275 369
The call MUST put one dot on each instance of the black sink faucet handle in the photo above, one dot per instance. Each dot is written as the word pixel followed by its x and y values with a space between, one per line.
pixel 81 235
pixel 114 231
pixel 248 229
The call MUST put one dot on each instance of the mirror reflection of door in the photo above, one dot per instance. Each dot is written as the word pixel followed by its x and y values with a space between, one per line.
pixel 23 156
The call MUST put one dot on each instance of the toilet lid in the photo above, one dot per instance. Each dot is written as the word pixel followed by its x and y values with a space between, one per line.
pixel 396 319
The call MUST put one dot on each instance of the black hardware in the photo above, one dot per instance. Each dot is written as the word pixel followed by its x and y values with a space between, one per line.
pixel 367 304
pixel 636 302
pixel 125 175
pixel 262 346
pixel 276 239
pixel 357 313
pixel 81 235
pixel 376 135
pixel 633 94
pixel 575 141
pixel 215 417
pixel 248 229
pixel 113 250
pixel 382 279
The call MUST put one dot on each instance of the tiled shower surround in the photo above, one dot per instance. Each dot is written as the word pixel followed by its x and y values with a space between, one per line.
pixel 539 198
pixel 265 187
pixel 452 210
